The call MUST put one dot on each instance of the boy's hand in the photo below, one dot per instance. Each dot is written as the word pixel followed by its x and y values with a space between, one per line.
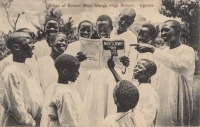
pixel 81 57
pixel 124 60
pixel 110 64
pixel 32 123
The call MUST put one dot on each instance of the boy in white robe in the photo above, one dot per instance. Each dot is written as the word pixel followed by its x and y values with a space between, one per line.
pixel 85 30
pixel 126 97
pixel 31 62
pixel 23 95
pixel 42 48
pixel 63 105
pixel 47 71
pixel 148 102
pixel 98 96
pixel 126 19
pixel 175 77
pixel 146 35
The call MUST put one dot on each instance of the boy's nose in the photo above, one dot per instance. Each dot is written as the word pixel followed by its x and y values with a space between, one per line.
pixel 32 46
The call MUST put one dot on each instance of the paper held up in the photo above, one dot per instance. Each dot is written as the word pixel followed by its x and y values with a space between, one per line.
pixel 92 48
pixel 98 51
pixel 115 49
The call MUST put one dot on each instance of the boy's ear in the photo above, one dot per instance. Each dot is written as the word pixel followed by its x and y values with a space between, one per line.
pixel 15 47
pixel 111 28
pixel 65 72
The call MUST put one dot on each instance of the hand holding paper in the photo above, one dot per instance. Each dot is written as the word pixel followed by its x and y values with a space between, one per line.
pixel 81 57
pixel 124 60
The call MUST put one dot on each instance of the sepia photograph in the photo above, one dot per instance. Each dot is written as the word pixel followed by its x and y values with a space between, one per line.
pixel 92 63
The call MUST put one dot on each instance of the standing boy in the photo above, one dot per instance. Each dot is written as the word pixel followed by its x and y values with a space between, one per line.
pixel 23 95
pixel 63 105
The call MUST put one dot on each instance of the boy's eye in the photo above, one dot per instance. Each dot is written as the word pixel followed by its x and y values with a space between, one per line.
pixel 61 40
pixel 140 67
pixel 165 29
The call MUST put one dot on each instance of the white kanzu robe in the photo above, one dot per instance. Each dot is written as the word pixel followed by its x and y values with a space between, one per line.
pixel 174 90
pixel 125 119
pixel 63 107
pixel 99 91
pixel 47 72
pixel 22 97
pixel 41 49
pixel 130 51
pixel 148 102
pixel 82 80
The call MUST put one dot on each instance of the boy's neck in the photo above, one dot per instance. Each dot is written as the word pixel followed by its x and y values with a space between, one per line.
pixel 143 80
pixel 175 43
pixel 54 55
pixel 19 59
pixel 121 110
pixel 62 80
pixel 120 31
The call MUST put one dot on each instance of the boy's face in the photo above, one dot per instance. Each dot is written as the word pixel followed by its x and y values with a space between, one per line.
pixel 74 73
pixel 103 29
pixel 143 35
pixel 51 27
pixel 85 30
pixel 124 22
pixel 26 47
pixel 140 70
pixel 60 44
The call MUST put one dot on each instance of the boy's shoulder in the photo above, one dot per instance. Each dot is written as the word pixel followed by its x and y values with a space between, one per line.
pixel 11 69
pixel 62 90
pixel 110 120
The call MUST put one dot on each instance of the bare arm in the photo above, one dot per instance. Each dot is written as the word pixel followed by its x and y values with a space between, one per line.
pixel 111 66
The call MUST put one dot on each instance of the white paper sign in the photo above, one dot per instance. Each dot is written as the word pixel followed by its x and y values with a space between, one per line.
pixel 92 48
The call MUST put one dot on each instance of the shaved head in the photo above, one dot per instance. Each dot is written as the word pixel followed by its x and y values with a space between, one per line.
pixel 174 24
pixel 16 38
pixel 129 12
pixel 126 19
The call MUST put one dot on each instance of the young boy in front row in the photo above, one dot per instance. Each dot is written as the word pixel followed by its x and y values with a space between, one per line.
pixel 63 105
pixel 126 97
pixel 148 99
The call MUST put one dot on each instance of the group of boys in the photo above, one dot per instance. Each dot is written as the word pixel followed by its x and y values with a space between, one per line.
pixel 39 79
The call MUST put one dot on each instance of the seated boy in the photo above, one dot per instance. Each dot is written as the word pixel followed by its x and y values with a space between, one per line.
pixel 126 97
pixel 63 105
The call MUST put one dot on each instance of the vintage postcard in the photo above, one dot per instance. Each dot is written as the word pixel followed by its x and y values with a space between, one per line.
pixel 99 63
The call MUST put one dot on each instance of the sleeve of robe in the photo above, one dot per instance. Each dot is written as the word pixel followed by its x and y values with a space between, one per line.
pixel 178 63
pixel 14 99
pixel 67 114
